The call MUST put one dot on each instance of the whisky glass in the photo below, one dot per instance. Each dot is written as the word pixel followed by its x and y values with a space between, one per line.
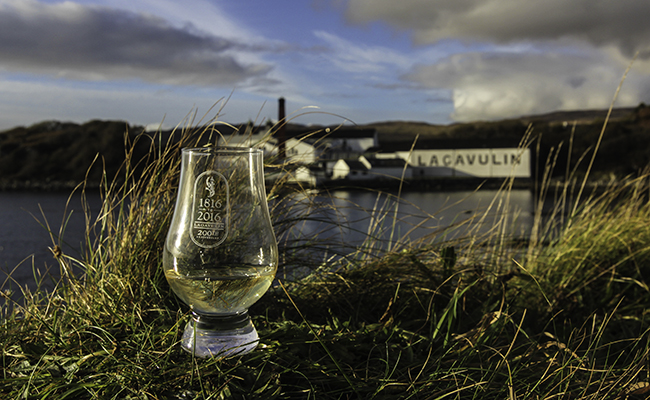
pixel 221 254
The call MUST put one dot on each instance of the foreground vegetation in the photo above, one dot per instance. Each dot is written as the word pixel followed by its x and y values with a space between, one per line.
pixel 560 315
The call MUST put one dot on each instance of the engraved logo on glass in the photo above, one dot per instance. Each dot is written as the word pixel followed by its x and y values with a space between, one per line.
pixel 210 210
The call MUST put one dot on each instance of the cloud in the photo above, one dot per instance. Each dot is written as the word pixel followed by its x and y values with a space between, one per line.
pixel 33 101
pixel 361 59
pixel 501 85
pixel 74 41
pixel 622 24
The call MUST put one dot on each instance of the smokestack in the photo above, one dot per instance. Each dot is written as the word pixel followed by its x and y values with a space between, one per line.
pixel 282 132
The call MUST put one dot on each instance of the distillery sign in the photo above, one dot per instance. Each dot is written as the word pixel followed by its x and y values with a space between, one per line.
pixel 492 163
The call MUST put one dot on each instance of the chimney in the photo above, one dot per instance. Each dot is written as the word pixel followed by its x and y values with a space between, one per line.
pixel 282 131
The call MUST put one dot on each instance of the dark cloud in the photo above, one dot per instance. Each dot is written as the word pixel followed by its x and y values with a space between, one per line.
pixel 98 43
pixel 622 24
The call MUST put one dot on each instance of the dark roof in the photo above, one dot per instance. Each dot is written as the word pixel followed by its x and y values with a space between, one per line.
pixel 329 132
pixel 356 164
pixel 386 162
pixel 449 144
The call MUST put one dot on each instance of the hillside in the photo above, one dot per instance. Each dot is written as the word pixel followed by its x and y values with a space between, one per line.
pixel 56 154
pixel 51 154
pixel 509 130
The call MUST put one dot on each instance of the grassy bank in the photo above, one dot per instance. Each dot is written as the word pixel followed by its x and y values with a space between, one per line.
pixel 562 315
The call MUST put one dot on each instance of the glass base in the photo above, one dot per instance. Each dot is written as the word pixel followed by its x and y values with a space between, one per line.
pixel 224 336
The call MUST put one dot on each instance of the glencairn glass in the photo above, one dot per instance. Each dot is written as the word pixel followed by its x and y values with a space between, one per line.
pixel 221 254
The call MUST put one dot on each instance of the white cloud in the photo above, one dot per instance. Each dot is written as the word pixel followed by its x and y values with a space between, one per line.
pixel 361 59
pixel 36 101
pixel 500 85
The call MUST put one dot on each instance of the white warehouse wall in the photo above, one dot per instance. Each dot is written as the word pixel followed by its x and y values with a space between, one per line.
pixel 484 163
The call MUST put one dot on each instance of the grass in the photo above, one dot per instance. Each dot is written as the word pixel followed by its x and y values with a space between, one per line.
pixel 478 316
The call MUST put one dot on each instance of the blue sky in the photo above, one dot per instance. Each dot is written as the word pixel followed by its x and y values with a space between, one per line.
pixel 439 61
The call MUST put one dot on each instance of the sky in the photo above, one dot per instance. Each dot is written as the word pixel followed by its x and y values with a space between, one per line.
pixel 169 62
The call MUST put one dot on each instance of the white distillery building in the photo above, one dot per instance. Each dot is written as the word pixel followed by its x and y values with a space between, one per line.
pixel 389 169
pixel 307 145
pixel 481 163
pixel 368 169
pixel 350 169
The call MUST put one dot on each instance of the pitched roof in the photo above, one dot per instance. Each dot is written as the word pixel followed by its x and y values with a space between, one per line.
pixel 356 165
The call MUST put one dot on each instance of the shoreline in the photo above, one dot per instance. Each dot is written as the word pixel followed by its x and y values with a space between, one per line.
pixel 438 184
pixel 442 184
pixel 46 186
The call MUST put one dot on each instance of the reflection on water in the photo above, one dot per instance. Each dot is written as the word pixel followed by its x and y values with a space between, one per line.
pixel 426 216
pixel 358 213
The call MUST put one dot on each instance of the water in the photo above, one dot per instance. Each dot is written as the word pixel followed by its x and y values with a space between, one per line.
pixel 425 216
pixel 24 236
pixel 24 242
